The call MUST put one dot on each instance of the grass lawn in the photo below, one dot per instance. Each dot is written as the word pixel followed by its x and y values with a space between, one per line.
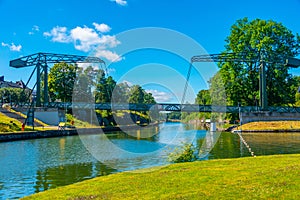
pixel 265 177
pixel 8 124
pixel 272 125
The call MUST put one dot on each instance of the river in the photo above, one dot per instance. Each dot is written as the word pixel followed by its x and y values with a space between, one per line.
pixel 31 166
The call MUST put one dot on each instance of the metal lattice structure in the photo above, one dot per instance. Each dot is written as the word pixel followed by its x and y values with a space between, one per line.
pixel 244 57
pixel 225 57
pixel 40 58
pixel 41 61
pixel 172 107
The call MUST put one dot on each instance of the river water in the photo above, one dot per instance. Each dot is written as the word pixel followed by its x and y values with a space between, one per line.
pixel 31 166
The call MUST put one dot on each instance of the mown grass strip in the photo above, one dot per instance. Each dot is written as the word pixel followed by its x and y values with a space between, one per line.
pixel 271 125
pixel 265 177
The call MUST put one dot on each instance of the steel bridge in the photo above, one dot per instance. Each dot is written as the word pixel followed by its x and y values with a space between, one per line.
pixel 41 61
pixel 172 107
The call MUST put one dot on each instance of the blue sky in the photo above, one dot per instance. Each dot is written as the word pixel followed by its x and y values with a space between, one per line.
pixel 77 27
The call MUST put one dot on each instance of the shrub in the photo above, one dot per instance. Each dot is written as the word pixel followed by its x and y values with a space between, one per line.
pixel 187 153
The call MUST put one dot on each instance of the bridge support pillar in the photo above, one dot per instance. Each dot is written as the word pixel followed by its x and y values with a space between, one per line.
pixel 38 85
pixel 46 98
pixel 263 87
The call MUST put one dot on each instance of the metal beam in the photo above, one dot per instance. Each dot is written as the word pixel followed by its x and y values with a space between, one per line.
pixel 293 62
pixel 38 85
pixel 263 86
pixel 224 57
pixel 33 59
pixel 46 98
pixel 42 60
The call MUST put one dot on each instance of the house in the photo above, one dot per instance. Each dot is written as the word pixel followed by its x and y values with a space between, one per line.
pixel 10 84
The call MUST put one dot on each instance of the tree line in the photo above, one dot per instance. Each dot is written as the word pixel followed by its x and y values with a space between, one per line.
pixel 68 82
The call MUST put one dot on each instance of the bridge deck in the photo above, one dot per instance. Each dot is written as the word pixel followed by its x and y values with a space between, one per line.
pixel 168 107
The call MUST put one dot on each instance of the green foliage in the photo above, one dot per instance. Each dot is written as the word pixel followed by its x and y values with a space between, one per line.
pixel 274 42
pixel 203 98
pixel 61 81
pixel 187 117
pixel 174 115
pixel 104 88
pixel 136 94
pixel 121 93
pixel 184 154
pixel 13 95
pixel 297 98
pixel 84 83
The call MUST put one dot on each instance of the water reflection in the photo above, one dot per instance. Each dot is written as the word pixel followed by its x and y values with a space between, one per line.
pixel 228 146
pixel 273 143
pixel 68 174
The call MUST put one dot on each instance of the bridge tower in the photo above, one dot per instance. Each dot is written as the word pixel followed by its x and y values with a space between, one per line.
pixel 242 57
pixel 41 61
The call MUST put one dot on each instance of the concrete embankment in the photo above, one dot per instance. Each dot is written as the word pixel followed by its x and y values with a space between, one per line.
pixel 8 137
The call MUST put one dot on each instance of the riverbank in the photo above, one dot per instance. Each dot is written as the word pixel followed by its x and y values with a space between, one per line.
pixel 263 177
pixel 25 135
pixel 270 126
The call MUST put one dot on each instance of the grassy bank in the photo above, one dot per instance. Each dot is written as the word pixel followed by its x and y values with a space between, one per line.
pixel 266 177
pixel 8 124
pixel 11 125
pixel 272 126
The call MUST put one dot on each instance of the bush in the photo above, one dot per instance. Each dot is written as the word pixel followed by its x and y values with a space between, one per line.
pixel 187 153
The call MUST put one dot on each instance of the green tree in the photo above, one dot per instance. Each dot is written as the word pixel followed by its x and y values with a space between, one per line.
pixel 121 93
pixel 61 81
pixel 296 89
pixel 203 97
pixel 255 39
pixel 148 98
pixel 104 88
pixel 85 83
pixel 13 95
pixel 136 95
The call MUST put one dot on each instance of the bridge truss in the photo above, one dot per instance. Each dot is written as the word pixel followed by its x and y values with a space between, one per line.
pixel 244 57
pixel 171 107
pixel 41 61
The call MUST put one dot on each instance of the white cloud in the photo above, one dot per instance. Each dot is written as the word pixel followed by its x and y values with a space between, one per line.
pixel 58 34
pixel 109 55
pixel 109 41
pixel 160 96
pixel 36 28
pixel 86 39
pixel 12 46
pixel 120 2
pixel 103 28
pixel 4 44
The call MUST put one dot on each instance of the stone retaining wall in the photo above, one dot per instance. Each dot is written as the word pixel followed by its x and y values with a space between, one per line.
pixel 269 116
